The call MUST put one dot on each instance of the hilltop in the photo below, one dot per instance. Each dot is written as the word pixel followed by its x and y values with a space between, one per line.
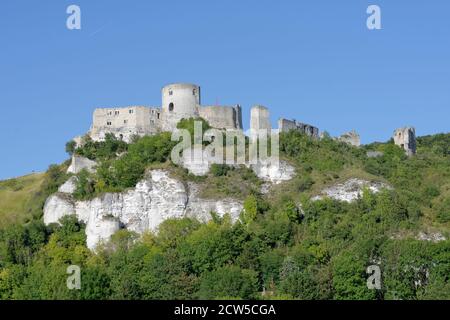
pixel 285 245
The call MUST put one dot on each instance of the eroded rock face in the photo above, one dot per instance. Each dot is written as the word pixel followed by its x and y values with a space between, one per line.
pixel 69 186
pixel 80 163
pixel 198 162
pixel 155 199
pixel 56 207
pixel 350 190
pixel 274 172
pixel 201 208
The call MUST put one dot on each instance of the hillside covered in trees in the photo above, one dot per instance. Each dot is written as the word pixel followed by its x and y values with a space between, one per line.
pixel 285 246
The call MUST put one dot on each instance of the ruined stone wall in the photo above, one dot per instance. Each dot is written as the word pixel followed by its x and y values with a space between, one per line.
pixel 405 138
pixel 285 125
pixel 125 122
pixel 222 117
pixel 351 138
pixel 260 119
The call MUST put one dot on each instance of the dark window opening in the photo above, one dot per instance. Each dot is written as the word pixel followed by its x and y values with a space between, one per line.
pixel 171 106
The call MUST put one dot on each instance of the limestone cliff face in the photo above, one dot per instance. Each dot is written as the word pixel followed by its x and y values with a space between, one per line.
pixel 274 173
pixel 155 199
pixel 199 164
pixel 350 190
pixel 80 163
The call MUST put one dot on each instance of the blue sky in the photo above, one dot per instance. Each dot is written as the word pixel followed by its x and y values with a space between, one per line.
pixel 313 60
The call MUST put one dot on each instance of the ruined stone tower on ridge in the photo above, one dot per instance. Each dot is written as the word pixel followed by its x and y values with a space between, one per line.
pixel 406 139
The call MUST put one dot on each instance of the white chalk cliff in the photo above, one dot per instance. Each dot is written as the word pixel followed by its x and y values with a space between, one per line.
pixel 156 198
pixel 350 190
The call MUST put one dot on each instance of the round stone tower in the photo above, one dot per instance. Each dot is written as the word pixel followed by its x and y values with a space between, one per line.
pixel 179 100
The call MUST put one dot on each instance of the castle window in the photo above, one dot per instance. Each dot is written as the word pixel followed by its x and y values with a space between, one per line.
pixel 116 112
pixel 125 121
pixel 131 111
pixel 108 123
pixel 171 107
pixel 194 92
pixel 170 92
pixel 158 115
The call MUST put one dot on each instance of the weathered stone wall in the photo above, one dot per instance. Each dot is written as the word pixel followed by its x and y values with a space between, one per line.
pixel 351 138
pixel 285 125
pixel 406 139
pixel 125 122
pixel 222 117
pixel 260 119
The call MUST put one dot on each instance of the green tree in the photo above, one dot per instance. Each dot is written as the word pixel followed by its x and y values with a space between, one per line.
pixel 229 281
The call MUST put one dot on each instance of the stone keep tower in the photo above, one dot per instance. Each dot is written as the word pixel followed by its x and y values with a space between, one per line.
pixel 179 100
pixel 406 139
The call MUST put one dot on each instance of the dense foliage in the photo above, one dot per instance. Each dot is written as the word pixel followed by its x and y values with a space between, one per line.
pixel 118 171
pixel 278 250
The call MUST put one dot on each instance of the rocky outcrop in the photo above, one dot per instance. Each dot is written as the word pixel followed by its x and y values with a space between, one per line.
pixel 80 163
pixel 201 208
pixel 274 172
pixel 350 190
pixel 198 163
pixel 431 236
pixel 69 186
pixel 155 199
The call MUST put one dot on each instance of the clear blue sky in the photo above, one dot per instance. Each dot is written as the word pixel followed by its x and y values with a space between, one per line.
pixel 311 60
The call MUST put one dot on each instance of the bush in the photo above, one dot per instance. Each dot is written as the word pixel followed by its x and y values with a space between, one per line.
pixel 219 170
pixel 99 150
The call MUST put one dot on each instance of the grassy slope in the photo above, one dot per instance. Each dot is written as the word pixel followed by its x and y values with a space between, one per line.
pixel 15 197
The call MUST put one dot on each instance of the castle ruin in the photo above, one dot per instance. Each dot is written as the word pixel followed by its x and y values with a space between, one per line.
pixel 183 101
pixel 179 101
pixel 285 125
pixel 351 138
pixel 405 138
